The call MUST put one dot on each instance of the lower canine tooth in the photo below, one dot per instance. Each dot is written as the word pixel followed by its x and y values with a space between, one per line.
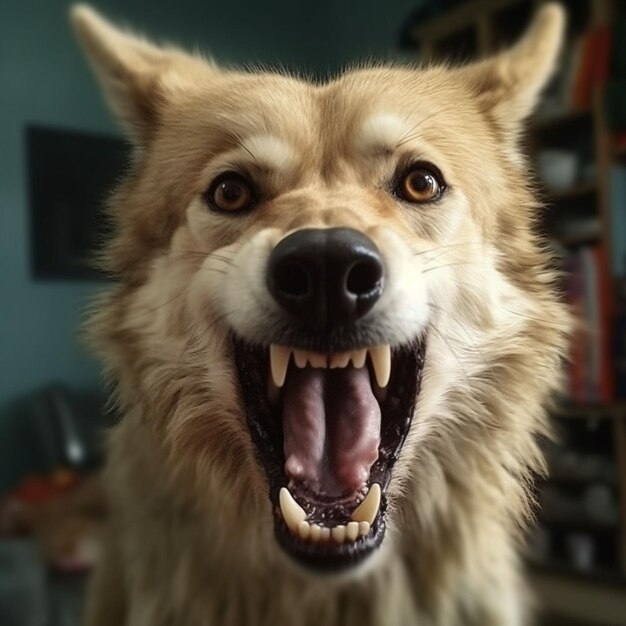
pixel 338 533
pixel 352 531
pixel 293 513
pixel 368 509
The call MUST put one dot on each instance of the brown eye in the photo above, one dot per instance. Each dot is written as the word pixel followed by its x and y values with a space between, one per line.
pixel 420 184
pixel 231 193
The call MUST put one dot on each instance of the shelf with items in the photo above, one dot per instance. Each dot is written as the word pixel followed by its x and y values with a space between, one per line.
pixel 619 154
pixel 579 190
pixel 602 410
pixel 563 122
pixel 574 158
pixel 599 576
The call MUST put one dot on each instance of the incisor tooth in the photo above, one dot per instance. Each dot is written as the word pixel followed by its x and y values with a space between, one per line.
pixel 381 362
pixel 300 357
pixel 358 358
pixel 368 509
pixel 292 512
pixel 316 359
pixel 339 359
pixel 338 533
pixel 325 534
pixel 304 529
pixel 364 529
pixel 352 531
pixel 316 533
pixel 279 362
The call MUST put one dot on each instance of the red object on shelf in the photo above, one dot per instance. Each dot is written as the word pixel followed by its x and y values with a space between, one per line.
pixel 606 386
pixel 619 142
pixel 584 76
pixel 604 41
pixel 41 488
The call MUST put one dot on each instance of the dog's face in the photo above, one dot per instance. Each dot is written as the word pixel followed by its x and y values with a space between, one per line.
pixel 326 266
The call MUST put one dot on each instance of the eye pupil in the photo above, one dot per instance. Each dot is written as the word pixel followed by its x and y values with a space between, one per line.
pixel 230 193
pixel 419 185
pixel 421 181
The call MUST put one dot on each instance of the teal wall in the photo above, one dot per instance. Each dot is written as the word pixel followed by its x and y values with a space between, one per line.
pixel 44 80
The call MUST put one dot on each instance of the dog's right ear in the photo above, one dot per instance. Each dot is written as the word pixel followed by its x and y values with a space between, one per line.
pixel 136 76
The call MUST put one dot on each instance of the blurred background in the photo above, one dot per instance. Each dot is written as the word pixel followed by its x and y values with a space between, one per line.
pixel 52 409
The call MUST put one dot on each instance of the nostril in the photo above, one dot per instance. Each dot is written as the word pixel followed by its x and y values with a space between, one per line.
pixel 363 277
pixel 291 279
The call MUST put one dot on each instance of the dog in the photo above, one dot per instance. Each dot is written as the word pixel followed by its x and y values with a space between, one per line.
pixel 333 340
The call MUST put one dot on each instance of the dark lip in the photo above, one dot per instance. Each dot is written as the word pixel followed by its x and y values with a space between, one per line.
pixel 265 425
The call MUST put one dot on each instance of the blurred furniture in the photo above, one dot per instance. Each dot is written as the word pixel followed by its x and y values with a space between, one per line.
pixel 70 176
pixel 579 549
pixel 52 507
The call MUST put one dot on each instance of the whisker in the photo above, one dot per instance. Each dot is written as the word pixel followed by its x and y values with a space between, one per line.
pixel 438 267
pixel 411 134
pixel 538 319
pixel 449 245
pixel 454 354
pixel 462 327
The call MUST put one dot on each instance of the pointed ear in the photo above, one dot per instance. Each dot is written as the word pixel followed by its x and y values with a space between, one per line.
pixel 508 85
pixel 130 70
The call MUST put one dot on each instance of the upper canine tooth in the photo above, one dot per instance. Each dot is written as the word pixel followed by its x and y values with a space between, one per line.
pixel 358 358
pixel 300 357
pixel 279 362
pixel 292 512
pixel 381 362
pixel 368 509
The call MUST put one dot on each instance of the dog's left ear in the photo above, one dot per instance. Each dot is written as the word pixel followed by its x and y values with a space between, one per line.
pixel 508 85
pixel 138 77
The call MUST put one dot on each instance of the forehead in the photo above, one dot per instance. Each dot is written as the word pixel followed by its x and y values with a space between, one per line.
pixel 367 109
pixel 355 129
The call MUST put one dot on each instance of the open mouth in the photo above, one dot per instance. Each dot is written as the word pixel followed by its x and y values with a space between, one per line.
pixel 328 428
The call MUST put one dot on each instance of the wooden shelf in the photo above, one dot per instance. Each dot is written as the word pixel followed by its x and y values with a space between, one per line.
pixel 580 481
pixel 573 241
pixel 451 22
pixel 577 191
pixel 561 122
pixel 601 576
pixel 594 597
pixel 614 409
pixel 620 155
pixel 582 525
pixel 482 26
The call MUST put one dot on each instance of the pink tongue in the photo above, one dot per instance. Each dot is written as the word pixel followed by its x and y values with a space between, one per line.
pixel 331 425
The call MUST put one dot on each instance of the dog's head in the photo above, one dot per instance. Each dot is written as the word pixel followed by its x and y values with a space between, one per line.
pixel 331 294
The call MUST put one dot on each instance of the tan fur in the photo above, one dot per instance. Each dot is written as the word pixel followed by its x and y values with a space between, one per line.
pixel 191 538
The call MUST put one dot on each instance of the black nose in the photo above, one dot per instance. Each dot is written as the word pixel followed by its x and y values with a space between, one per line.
pixel 326 277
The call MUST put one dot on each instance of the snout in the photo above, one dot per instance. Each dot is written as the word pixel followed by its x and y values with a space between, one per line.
pixel 326 278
